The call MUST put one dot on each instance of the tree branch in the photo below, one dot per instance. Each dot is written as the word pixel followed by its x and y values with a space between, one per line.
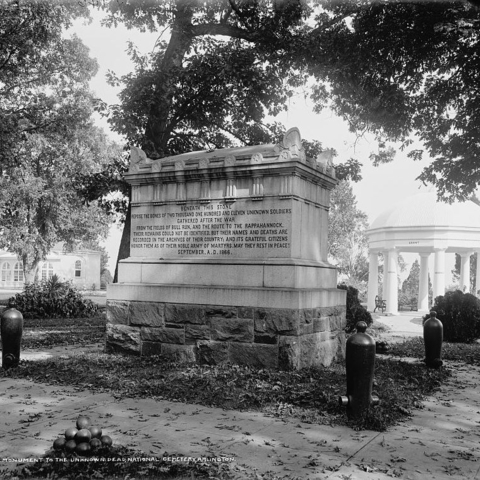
pixel 225 30
pixel 7 60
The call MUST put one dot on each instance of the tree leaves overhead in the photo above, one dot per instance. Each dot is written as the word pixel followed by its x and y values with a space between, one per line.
pixel 47 139
pixel 40 71
pixel 401 67
pixel 393 68
pixel 211 85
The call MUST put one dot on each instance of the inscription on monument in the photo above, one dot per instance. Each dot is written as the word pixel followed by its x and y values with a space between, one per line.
pixel 214 229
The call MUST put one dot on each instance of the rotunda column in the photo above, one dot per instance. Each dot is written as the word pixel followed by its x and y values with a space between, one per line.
pixel 439 275
pixel 385 275
pixel 392 283
pixel 423 283
pixel 477 276
pixel 465 272
pixel 372 280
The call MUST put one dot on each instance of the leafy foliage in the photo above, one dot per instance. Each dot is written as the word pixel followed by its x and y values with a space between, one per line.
pixel 408 294
pixel 214 80
pixel 400 67
pixel 460 315
pixel 47 139
pixel 39 70
pixel 356 312
pixel 53 298
pixel 347 241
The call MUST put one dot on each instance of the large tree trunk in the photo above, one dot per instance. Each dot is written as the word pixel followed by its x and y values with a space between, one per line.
pixel 158 128
pixel 124 250
pixel 29 270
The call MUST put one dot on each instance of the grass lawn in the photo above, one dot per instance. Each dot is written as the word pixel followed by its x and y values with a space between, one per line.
pixel 468 353
pixel 44 334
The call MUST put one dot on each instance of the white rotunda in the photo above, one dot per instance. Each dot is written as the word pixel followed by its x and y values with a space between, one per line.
pixel 420 224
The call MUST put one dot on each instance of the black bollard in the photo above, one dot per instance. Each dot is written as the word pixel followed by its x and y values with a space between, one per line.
pixel 11 331
pixel 433 338
pixel 360 363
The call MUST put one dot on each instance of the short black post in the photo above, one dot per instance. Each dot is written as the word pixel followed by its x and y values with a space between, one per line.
pixel 433 338
pixel 360 366
pixel 11 331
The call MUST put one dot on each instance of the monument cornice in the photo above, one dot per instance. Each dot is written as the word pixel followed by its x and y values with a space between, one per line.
pixel 145 175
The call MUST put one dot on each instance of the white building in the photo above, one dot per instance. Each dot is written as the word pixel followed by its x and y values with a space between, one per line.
pixel 81 267
pixel 419 224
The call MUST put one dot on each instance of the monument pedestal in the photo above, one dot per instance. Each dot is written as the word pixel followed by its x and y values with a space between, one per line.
pixel 229 260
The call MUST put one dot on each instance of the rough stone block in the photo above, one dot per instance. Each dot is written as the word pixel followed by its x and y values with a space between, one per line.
pixel 231 329
pixel 151 348
pixel 117 312
pixel 123 339
pixel 319 349
pixel 196 332
pixel 266 338
pixel 164 335
pixel 147 313
pixel 225 312
pixel 212 353
pixel 337 322
pixel 321 324
pixel 277 321
pixel 180 353
pixel 245 312
pixel 306 328
pixel 255 355
pixel 324 311
pixel 307 315
pixel 289 353
pixel 176 313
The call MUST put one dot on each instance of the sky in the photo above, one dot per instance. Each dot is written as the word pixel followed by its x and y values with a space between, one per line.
pixel 380 188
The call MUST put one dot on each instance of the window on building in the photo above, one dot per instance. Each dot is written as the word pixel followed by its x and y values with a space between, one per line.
pixel 18 272
pixel 47 271
pixel 6 272
pixel 78 269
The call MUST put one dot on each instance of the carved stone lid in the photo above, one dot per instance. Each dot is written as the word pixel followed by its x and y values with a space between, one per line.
pixel 290 148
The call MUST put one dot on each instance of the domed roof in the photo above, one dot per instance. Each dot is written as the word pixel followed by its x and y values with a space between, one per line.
pixel 423 210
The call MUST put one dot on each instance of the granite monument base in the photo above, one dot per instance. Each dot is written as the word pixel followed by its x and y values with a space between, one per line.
pixel 281 328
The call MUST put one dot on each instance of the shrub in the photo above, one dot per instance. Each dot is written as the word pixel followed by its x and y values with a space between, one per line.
pixel 406 300
pixel 53 298
pixel 460 314
pixel 355 311
pixel 105 279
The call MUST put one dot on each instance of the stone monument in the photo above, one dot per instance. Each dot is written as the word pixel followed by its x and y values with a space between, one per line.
pixel 229 259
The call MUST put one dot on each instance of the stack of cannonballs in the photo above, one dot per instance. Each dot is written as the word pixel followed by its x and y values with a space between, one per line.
pixel 83 439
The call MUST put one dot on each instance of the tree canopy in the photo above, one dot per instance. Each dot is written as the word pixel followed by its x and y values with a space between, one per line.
pixel 347 241
pixel 397 68
pixel 211 84
pixel 47 138
pixel 393 68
